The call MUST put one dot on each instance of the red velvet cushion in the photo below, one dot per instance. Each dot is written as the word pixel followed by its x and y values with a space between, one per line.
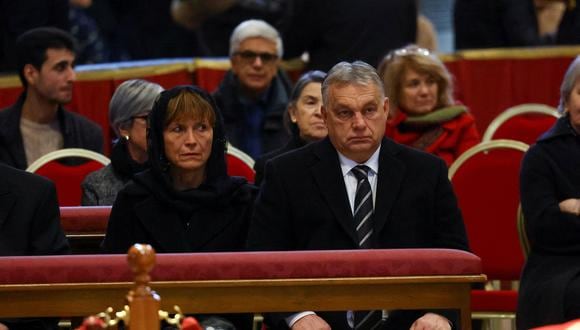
pixel 526 128
pixel 85 219
pixel 237 167
pixel 68 179
pixel 494 301
pixel 242 265
pixel 487 189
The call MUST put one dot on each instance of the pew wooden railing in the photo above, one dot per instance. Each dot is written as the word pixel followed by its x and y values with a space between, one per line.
pixel 81 285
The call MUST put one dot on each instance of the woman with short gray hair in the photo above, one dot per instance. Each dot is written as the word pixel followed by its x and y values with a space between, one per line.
pixel 128 111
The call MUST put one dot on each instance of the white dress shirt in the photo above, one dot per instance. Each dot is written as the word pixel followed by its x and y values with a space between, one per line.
pixel 350 183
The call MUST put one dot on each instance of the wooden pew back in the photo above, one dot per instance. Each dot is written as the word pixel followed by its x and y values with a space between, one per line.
pixel 80 285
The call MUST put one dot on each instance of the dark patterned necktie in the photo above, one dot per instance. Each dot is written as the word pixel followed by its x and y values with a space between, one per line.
pixel 363 220
pixel 363 207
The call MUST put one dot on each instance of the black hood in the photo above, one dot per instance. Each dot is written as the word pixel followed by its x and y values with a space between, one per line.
pixel 216 164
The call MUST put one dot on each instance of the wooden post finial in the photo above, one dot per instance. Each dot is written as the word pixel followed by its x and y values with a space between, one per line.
pixel 143 302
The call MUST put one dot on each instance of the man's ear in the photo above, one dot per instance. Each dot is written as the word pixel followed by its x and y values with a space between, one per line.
pixel 323 112
pixel 30 73
pixel 235 64
pixel 386 106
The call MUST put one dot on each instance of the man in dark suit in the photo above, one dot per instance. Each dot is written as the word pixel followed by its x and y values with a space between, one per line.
pixel 311 199
pixel 29 225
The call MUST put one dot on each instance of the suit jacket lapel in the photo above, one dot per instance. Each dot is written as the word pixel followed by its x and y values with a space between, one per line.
pixel 7 200
pixel 391 174
pixel 328 176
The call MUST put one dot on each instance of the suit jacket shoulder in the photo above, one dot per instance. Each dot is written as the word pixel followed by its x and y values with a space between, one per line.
pixel 29 215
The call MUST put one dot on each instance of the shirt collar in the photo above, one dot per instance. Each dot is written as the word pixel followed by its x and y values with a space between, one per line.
pixel 347 165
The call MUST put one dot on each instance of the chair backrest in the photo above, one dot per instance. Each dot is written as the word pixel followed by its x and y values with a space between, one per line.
pixel 524 122
pixel 240 163
pixel 68 178
pixel 486 181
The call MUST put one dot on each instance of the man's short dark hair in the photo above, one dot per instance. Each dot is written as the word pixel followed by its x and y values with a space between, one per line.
pixel 31 47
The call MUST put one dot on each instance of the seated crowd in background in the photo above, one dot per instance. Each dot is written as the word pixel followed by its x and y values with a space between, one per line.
pixel 170 188
pixel 128 112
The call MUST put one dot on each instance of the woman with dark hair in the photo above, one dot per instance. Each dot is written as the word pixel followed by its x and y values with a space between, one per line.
pixel 128 111
pixel 185 202
pixel 302 118
pixel 550 195
pixel 423 113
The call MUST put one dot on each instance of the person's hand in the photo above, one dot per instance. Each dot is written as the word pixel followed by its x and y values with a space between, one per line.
pixel 311 322
pixel 571 206
pixel 431 321
pixel 3 327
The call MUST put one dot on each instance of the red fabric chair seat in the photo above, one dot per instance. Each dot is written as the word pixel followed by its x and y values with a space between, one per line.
pixel 525 128
pixel 85 219
pixel 237 167
pixel 68 179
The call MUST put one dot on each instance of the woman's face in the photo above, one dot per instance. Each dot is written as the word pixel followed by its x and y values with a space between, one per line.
pixel 188 144
pixel 573 106
pixel 306 113
pixel 418 93
pixel 137 133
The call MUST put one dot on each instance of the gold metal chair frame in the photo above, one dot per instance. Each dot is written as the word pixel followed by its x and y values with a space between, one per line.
pixel 483 147
pixel 67 152
pixel 526 108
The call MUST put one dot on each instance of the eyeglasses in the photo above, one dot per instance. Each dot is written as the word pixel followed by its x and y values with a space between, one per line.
pixel 249 56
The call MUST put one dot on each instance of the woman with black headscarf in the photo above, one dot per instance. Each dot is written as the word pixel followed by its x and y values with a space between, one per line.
pixel 185 202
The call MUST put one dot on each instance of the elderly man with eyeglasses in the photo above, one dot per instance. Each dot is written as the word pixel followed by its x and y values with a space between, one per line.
pixel 254 93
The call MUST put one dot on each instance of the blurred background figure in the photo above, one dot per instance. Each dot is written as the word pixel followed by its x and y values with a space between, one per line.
pixel 302 118
pixel 185 202
pixel 91 46
pixel 128 112
pixel 253 95
pixel 214 20
pixel 426 34
pixel 495 23
pixel 423 112
pixel 549 14
pixel 568 30
pixel 550 194
pixel 17 17
pixel 331 31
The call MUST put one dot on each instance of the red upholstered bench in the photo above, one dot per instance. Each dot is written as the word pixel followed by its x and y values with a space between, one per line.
pixel 85 226
pixel 78 285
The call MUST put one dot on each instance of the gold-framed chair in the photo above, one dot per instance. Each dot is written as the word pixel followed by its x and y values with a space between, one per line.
pixel 486 181
pixel 524 122
pixel 68 176
pixel 523 235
